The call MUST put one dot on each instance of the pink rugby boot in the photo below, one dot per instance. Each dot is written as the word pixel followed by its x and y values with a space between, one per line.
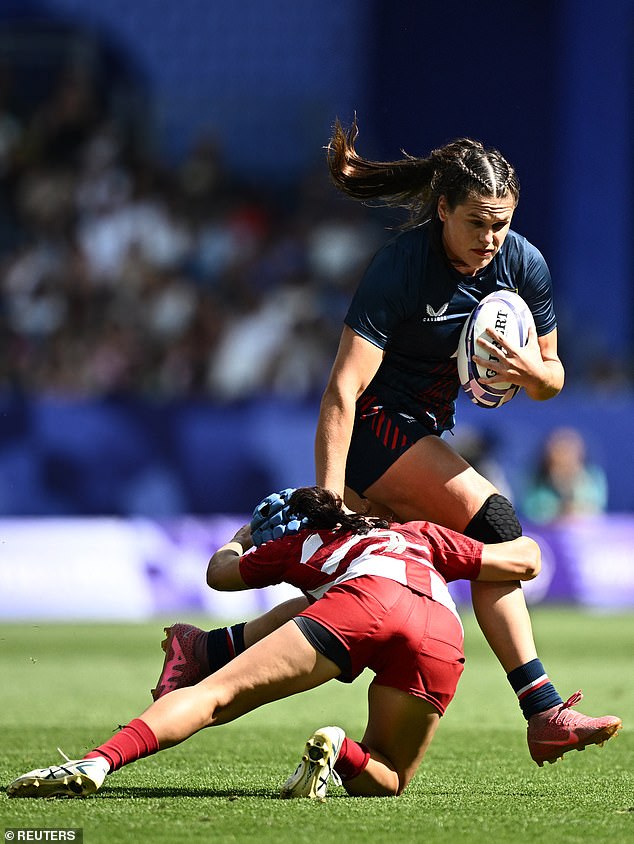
pixel 185 662
pixel 560 729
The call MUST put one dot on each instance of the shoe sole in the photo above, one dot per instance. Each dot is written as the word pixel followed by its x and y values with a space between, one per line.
pixel 317 751
pixel 166 647
pixel 599 738
pixel 71 786
pixel 182 671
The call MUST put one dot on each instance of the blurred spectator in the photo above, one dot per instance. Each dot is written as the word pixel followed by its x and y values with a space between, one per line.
pixel 565 484
pixel 63 123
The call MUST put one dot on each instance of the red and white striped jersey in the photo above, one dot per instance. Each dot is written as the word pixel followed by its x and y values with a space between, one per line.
pixel 420 555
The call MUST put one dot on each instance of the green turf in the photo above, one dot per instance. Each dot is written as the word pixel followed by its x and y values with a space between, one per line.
pixel 70 686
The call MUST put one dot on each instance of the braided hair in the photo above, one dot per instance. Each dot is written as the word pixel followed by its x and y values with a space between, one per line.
pixel 323 509
pixel 458 170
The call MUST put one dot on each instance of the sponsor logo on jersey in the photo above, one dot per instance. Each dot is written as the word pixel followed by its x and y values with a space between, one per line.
pixel 436 315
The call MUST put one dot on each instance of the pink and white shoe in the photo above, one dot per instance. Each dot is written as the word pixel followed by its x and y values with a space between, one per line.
pixel 74 778
pixel 185 662
pixel 557 730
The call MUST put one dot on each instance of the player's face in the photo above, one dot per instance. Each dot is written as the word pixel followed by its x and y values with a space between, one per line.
pixel 472 233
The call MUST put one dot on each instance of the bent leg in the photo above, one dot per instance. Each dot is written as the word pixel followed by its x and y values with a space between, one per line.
pixel 431 481
pixel 399 731
pixel 280 665
pixel 500 608
pixel 502 615
pixel 269 621
pixel 191 654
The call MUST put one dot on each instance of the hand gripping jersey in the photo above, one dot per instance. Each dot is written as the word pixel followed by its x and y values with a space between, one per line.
pixel 420 555
pixel 413 304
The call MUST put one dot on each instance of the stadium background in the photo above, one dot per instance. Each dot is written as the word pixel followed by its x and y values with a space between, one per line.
pixel 175 266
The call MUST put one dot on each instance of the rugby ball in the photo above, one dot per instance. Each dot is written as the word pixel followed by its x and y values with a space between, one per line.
pixel 508 314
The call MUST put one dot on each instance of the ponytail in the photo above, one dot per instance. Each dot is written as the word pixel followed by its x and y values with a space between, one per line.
pixel 456 171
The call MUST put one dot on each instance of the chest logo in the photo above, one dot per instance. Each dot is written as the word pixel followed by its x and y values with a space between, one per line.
pixel 436 315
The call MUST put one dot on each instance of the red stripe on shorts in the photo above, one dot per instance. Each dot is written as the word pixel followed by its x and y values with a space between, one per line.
pixel 387 431
pixel 366 403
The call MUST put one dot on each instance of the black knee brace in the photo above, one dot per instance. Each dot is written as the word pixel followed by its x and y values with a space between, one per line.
pixel 495 521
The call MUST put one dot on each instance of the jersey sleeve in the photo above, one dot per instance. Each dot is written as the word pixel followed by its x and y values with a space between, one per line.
pixel 537 289
pixel 454 555
pixel 266 565
pixel 383 298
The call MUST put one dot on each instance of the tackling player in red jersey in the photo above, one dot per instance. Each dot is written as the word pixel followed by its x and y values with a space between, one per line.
pixel 378 598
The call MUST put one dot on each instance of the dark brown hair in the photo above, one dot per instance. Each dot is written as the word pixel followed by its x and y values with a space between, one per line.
pixel 458 170
pixel 323 509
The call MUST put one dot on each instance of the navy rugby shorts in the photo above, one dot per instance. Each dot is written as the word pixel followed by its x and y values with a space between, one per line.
pixel 379 437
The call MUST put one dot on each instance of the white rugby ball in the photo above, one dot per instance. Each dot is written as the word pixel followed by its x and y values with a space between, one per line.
pixel 508 314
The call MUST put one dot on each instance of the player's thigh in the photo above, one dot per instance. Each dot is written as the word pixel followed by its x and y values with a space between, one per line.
pixel 282 664
pixel 400 728
pixel 431 481
pixel 360 504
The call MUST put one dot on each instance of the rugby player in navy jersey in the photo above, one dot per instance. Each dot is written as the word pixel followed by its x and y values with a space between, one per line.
pixel 392 392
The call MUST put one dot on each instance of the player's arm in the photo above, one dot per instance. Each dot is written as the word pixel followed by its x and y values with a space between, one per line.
pixel 355 365
pixel 536 367
pixel 459 557
pixel 223 571
pixel 518 559
pixel 554 374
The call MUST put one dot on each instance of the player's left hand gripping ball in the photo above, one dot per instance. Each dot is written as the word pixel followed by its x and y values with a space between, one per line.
pixel 273 519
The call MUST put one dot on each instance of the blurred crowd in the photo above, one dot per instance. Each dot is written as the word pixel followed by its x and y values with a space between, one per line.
pixel 120 273
pixel 562 481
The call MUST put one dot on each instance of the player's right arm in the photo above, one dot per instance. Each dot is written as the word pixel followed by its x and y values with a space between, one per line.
pixel 223 571
pixel 457 556
pixel 355 365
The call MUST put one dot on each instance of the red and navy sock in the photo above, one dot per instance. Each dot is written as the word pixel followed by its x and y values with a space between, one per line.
pixel 352 760
pixel 223 644
pixel 134 741
pixel 533 688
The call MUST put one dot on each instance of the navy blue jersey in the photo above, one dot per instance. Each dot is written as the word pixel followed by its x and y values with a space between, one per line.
pixel 413 304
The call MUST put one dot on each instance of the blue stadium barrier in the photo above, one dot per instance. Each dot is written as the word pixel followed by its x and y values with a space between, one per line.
pixel 124 457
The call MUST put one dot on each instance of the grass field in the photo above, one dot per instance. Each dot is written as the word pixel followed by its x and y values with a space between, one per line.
pixel 70 686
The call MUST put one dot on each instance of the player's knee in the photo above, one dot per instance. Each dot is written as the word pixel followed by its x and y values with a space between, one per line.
pixel 404 779
pixel 400 779
pixel 402 785
pixel 495 521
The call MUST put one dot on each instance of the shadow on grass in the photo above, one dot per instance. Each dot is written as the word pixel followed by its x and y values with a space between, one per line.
pixel 133 793
pixel 136 793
